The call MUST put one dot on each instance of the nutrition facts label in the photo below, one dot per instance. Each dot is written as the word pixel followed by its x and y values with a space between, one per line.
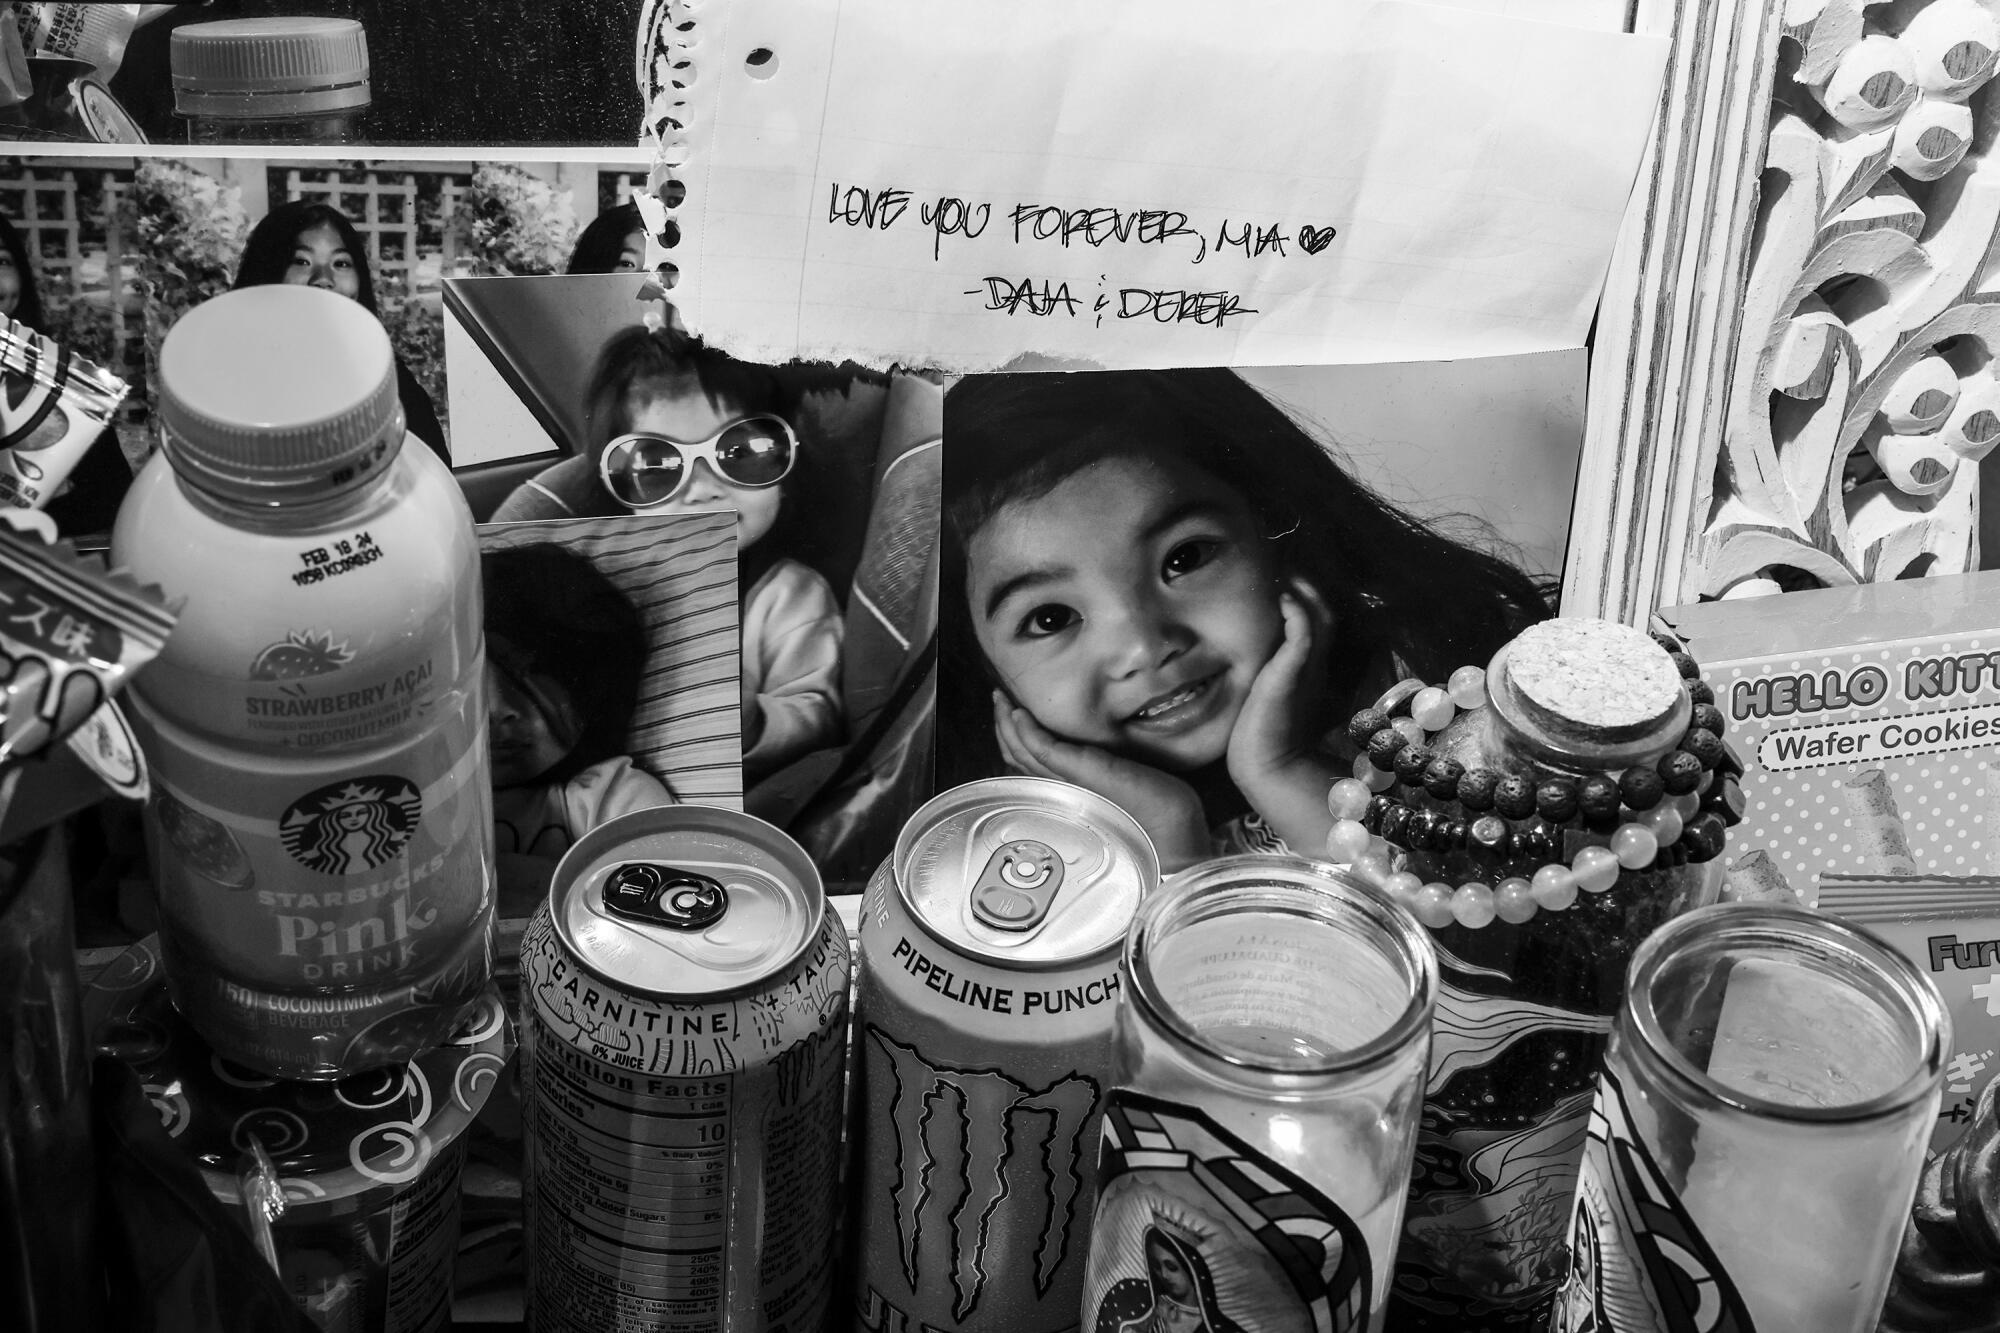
pixel 683 1160
pixel 425 1231
pixel 635 1172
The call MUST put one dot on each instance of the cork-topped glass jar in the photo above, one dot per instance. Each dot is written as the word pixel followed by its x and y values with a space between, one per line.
pixel 1523 792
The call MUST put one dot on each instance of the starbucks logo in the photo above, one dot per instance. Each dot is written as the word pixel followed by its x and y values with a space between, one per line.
pixel 349 827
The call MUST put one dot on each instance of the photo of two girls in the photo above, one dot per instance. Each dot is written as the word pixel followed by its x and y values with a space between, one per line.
pixel 1171 587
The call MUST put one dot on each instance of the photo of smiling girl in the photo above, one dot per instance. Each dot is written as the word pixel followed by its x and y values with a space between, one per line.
pixel 1159 586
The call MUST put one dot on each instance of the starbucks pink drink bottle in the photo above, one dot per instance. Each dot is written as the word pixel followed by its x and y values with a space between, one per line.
pixel 320 824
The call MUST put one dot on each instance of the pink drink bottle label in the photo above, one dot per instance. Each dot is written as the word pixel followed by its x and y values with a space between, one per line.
pixel 324 811
pixel 343 872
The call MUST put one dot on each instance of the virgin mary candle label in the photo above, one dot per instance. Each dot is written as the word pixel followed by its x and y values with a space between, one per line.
pixel 1758 1131
pixel 1190 1211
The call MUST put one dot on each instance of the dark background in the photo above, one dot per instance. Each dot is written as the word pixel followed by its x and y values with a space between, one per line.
pixel 493 72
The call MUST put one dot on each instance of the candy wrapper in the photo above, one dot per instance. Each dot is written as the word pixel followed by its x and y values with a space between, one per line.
pixel 71 635
pixel 1950 928
pixel 93 34
pixel 55 405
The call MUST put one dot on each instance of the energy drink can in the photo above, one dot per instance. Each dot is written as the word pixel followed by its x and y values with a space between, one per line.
pixel 368 1167
pixel 990 945
pixel 684 1007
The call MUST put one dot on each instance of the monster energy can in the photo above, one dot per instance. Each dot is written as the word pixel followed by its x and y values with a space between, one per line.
pixel 684 998
pixel 989 944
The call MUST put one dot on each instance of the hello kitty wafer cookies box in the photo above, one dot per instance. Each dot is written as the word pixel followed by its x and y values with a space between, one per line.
pixel 1867 720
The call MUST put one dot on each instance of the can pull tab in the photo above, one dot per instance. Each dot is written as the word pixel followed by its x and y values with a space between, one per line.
pixel 663 895
pixel 1018 885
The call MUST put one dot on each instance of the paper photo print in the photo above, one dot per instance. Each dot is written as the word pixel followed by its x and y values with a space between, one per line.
pixel 601 406
pixel 104 254
pixel 347 72
pixel 1166 585
pixel 611 679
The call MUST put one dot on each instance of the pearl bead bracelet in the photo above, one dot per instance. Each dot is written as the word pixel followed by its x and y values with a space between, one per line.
pixel 1673 812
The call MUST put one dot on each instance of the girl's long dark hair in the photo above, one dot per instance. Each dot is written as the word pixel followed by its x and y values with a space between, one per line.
pixel 602 243
pixel 268 252
pixel 27 310
pixel 1401 591
pixel 554 613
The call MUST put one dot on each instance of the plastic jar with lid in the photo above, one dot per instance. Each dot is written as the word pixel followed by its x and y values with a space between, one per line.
pixel 321 821
pixel 272 80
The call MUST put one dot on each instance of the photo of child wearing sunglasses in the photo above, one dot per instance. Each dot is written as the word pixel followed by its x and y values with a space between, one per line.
pixel 677 427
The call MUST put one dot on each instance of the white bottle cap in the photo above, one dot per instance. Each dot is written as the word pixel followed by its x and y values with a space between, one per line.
pixel 279 394
pixel 253 68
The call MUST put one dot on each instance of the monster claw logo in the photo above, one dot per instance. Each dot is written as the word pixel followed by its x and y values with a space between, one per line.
pixel 347 827
pixel 968 1142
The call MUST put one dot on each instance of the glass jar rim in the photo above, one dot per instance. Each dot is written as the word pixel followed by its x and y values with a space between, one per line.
pixel 1293 885
pixel 1776 931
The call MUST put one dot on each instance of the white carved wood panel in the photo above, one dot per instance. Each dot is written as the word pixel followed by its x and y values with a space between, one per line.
pixel 1864 386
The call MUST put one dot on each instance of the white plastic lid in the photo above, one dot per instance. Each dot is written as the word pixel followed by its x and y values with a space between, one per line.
pixel 279 393
pixel 252 68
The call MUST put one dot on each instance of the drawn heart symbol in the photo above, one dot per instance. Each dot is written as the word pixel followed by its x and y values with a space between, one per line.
pixel 1313 239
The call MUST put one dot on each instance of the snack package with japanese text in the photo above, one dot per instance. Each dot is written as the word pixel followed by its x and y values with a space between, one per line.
pixel 1950 928
pixel 54 406
pixel 71 635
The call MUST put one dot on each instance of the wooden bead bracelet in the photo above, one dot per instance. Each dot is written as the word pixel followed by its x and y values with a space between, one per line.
pixel 1674 812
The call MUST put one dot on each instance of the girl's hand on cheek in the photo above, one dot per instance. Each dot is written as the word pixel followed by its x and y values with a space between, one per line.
pixel 1282 720
pixel 1165 807
pixel 1275 751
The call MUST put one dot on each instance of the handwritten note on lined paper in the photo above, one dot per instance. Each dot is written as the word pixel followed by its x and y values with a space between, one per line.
pixel 1149 184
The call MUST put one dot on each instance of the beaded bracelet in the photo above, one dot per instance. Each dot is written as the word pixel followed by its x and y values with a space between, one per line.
pixel 1676 811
